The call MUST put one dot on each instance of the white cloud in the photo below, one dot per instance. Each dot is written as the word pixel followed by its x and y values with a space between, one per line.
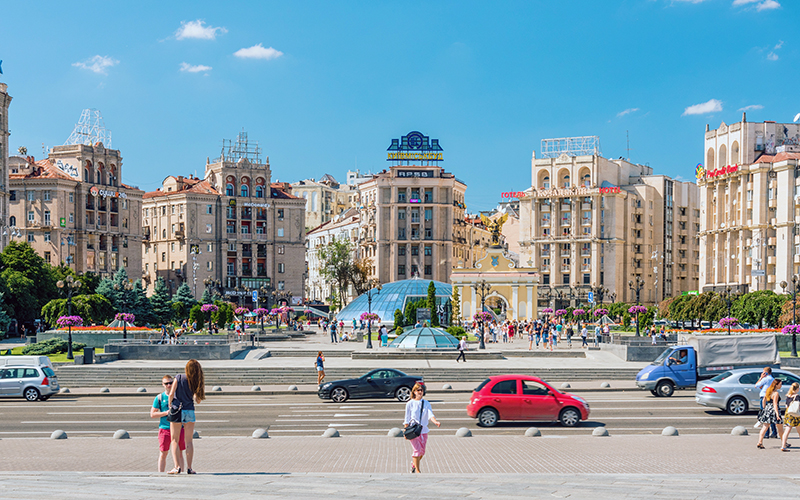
pixel 751 107
pixel 768 5
pixel 772 56
pixel 689 1
pixel 97 64
pixel 198 29
pixel 778 45
pixel 711 106
pixel 743 2
pixel 627 112
pixel 258 52
pixel 199 68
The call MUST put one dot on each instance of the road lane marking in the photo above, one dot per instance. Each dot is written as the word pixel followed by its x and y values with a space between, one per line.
pixel 124 412
pixel 342 415
pixel 341 424
pixel 371 419
pixel 347 407
pixel 107 421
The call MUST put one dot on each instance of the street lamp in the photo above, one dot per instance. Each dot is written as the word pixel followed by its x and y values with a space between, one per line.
pixel 263 290
pixel 637 288
pixel 728 302
pixel 124 288
pixel 71 285
pixel 482 288
pixel 375 289
pixel 794 311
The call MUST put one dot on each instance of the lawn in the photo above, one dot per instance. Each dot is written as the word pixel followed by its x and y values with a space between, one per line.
pixel 56 358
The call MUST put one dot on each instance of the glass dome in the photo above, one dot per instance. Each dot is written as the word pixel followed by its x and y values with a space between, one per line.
pixel 425 338
pixel 391 297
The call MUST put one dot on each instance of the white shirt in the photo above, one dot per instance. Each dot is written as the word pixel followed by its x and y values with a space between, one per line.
pixel 462 345
pixel 412 414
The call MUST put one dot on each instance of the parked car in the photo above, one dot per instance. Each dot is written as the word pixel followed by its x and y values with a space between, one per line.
pixel 33 382
pixel 382 383
pixel 734 390
pixel 524 398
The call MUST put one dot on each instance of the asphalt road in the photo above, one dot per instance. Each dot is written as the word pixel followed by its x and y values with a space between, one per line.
pixel 629 412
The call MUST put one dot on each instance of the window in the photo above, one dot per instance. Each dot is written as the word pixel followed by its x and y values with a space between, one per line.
pixel 147 268
pixel 280 232
pixel 280 214
pixel 401 233
pixel 173 229
pixel 172 246
pixel 428 269
pixel 281 267
pixel 124 204
pixel 210 247
pixel 164 234
pixel 428 250
pixel 259 191
pixel 231 247
pixel 30 216
pixel 401 198
pixel 505 387
pixel 13 195
pixel 209 209
pixel 401 250
pixel 245 190
pixel 428 196
pixel 163 210
pixel 31 195
pixel 229 190
pixel 531 388
pixel 281 285
pixel 172 209
pixel 47 217
pixel 71 218
pixel 46 195
pixel 281 249
pixel 208 265
pixel 401 269
pixel 414 250
pixel 31 238
pixel 173 265
pixel 401 214
pixel 428 234
pixel 163 256
pixel 47 256
pixel 428 214
pixel 47 237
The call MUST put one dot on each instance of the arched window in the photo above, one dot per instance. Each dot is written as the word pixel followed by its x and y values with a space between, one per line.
pixel 566 181
pixel 710 159
pixel 723 156
pixel 98 177
pixel 735 153
pixel 164 233
pixel 587 180
pixel 259 191
pixel 546 182
pixel 229 190
pixel 12 221
pixel 85 175
pixel 245 190
pixel 314 201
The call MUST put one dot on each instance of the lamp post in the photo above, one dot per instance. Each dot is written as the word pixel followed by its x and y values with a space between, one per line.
pixel 71 285
pixel 728 302
pixel 124 288
pixel 374 285
pixel 637 287
pixel 482 288
pixel 794 311
pixel 263 290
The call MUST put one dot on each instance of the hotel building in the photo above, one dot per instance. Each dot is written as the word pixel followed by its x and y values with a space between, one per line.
pixel 749 202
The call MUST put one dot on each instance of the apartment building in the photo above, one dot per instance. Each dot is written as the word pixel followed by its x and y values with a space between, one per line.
pixel 325 199
pixel 343 226
pixel 73 208
pixel 589 223
pixel 749 237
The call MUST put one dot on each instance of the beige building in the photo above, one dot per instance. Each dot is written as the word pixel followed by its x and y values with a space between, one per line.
pixel 73 208
pixel 592 223
pixel 5 102
pixel 325 199
pixel 749 237
pixel 234 227
pixel 343 226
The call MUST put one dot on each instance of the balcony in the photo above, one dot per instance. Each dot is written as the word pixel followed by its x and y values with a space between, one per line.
pixel 586 222
pixel 545 268
pixel 566 222
pixel 247 253
pixel 545 253
pixel 797 258
pixel 565 253
pixel 772 241
pixel 544 208
pixel 247 236
pixel 565 268
pixel 586 206
pixel 771 260
pixel 586 252
pixel 546 223
pixel 586 268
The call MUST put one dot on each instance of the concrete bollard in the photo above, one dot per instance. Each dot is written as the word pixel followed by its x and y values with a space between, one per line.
pixel 330 432
pixel 565 385
pixel 292 388
pixel 255 388
pixel 600 431
pixel 216 388
pixel 605 385
pixel 395 432
pixel 122 434
pixel 463 433
pixel 669 431
pixel 196 435
pixel 141 389
pixel 104 389
pixel 59 434
pixel 64 391
pixel 533 432
pixel 739 431
pixel 260 434
pixel 447 387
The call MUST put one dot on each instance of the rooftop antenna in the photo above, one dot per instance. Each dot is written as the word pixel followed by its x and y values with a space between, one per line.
pixel 90 130
pixel 628 141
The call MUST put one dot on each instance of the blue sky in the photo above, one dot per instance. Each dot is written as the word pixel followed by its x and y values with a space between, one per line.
pixel 325 86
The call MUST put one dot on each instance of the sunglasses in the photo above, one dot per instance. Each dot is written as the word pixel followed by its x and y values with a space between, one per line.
pixel 166 383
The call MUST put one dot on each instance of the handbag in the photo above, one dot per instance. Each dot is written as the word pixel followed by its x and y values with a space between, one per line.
pixel 174 414
pixel 794 408
pixel 414 430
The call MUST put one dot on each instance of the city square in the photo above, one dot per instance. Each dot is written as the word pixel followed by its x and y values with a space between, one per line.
pixel 264 243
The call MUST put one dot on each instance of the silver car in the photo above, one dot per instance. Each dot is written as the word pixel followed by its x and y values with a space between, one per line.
pixel 735 392
pixel 31 382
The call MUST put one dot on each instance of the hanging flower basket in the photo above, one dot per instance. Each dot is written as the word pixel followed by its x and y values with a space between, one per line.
pixel 369 317
pixel 261 312
pixel 637 309
pixel 125 317
pixel 560 312
pixel 241 310
pixel 578 312
pixel 482 316
pixel 728 322
pixel 600 312
pixel 306 312
pixel 209 308
pixel 65 321
pixel 788 329
pixel 547 310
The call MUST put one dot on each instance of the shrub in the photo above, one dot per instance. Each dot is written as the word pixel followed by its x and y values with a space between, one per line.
pixel 302 318
pixel 55 345
pixel 398 330
pixel 456 331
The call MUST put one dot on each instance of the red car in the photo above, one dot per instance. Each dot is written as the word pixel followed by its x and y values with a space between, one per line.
pixel 526 398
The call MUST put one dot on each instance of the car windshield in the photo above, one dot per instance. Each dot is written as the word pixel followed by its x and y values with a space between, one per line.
pixel 48 371
pixel 722 376
pixel 478 389
pixel 660 359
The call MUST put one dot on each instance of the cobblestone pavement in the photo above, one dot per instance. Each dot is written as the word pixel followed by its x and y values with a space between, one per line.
pixel 91 486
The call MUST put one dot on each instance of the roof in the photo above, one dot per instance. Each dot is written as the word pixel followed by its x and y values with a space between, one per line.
pixel 47 171
pixel 328 178
pixel 778 157
pixel 347 217
pixel 391 297
pixel 279 191
pixel 190 185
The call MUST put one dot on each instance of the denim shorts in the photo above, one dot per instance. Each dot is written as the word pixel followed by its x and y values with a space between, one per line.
pixel 187 416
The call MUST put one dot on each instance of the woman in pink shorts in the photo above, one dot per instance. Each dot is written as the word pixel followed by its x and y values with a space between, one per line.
pixel 418 410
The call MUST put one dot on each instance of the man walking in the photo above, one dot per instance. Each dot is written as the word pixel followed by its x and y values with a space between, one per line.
pixel 597 335
pixel 462 348
pixel 334 337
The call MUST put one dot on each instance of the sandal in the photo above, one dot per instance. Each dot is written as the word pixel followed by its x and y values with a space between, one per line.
pixel 190 471
pixel 760 446
pixel 176 470
pixel 413 469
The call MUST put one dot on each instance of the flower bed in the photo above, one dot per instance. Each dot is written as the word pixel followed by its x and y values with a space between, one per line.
pixel 101 328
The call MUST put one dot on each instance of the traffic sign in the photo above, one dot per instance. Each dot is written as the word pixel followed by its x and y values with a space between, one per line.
pixel 591 297
pixel 255 296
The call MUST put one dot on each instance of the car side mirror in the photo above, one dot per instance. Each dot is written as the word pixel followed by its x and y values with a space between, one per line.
pixel 670 362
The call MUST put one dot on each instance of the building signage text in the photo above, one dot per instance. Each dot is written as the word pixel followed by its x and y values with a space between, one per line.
pixel 95 191
pixel 68 169
pixel 550 193
pixel 415 146
pixel 513 194
pixel 259 205
pixel 428 174
pixel 722 171
pixel 610 190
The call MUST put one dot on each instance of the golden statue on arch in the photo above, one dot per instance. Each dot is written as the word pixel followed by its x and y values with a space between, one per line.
pixel 494 227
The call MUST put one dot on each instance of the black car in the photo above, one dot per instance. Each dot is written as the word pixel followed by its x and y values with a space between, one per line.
pixel 383 383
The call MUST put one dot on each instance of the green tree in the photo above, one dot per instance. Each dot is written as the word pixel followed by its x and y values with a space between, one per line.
pixel 398 318
pixel 432 304
pixel 456 309
pixel 160 302
pixel 140 305
pixel 182 302
pixel 336 265
pixel 762 307
pixel 206 298
pixel 93 308
pixel 196 314
pixel 5 319
pixel 411 309
pixel 26 281
pixel 223 315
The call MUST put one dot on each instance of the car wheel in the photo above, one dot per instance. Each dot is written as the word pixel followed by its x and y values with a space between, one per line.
pixel 569 417
pixel 665 389
pixel 736 405
pixel 403 394
pixel 488 417
pixel 339 395
pixel 654 393
pixel 31 394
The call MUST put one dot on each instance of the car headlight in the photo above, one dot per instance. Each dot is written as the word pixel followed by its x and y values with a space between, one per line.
pixel 644 377
pixel 327 385
pixel 580 399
